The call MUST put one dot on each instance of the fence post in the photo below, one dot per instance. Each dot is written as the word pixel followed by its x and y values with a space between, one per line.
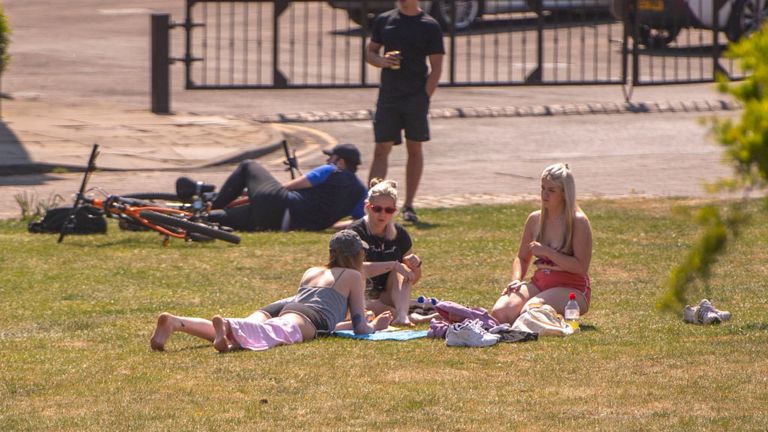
pixel 452 32
pixel 278 79
pixel 160 80
pixel 363 46
pixel 535 76
pixel 634 19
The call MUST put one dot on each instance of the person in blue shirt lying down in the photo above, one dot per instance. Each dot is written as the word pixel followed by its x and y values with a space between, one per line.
pixel 312 202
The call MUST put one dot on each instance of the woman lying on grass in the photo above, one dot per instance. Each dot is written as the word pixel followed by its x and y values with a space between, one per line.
pixel 559 237
pixel 325 295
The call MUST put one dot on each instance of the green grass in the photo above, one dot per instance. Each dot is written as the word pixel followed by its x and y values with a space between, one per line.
pixel 75 319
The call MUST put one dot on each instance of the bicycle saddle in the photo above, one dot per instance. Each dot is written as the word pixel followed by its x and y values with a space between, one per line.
pixel 186 188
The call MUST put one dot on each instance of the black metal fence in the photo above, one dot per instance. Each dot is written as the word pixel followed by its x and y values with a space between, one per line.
pixel 239 44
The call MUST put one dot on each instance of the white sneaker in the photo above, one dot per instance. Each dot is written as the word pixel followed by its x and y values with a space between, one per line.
pixel 689 314
pixel 708 314
pixel 704 313
pixel 471 334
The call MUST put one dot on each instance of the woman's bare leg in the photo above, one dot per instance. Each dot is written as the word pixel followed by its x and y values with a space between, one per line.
pixel 508 307
pixel 378 307
pixel 168 324
pixel 558 297
pixel 398 296
pixel 417 318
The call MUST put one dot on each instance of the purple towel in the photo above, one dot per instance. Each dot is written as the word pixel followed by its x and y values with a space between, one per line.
pixel 452 312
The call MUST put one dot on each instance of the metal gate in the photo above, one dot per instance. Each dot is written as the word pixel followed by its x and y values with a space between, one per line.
pixel 252 44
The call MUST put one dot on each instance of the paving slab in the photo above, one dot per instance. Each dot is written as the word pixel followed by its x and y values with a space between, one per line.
pixel 37 136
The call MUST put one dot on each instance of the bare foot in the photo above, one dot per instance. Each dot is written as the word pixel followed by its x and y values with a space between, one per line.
pixel 420 319
pixel 220 342
pixel 403 322
pixel 163 331
pixel 382 321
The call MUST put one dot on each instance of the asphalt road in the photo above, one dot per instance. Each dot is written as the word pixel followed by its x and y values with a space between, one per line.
pixel 58 59
pixel 610 155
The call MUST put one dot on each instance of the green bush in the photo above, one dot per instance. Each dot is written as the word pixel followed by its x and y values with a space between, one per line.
pixel 5 41
pixel 745 142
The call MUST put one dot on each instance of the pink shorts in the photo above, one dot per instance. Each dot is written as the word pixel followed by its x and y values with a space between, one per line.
pixel 545 279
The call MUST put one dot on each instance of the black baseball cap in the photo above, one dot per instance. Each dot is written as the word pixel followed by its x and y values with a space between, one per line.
pixel 348 152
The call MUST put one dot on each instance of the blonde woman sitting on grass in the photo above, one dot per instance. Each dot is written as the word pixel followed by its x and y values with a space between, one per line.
pixel 558 238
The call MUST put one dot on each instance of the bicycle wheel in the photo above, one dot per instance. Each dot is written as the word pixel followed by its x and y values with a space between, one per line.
pixel 158 199
pixel 155 196
pixel 189 226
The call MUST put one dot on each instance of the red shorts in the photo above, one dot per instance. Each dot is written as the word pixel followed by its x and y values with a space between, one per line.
pixel 545 279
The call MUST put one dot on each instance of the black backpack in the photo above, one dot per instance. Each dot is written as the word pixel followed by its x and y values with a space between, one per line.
pixel 88 220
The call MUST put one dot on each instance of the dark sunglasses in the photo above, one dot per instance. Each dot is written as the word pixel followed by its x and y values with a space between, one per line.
pixel 379 209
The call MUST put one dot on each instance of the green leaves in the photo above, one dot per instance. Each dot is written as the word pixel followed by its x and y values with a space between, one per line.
pixel 745 144
pixel 5 41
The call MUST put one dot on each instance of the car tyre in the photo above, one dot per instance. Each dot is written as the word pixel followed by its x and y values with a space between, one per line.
pixel 746 17
pixel 656 37
pixel 467 11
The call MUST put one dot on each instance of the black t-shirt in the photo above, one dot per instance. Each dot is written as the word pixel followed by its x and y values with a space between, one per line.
pixel 416 37
pixel 380 249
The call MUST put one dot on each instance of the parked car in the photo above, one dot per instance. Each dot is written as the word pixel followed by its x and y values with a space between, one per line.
pixel 467 11
pixel 660 21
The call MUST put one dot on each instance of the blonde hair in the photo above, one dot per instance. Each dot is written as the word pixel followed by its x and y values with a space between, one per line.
pixel 379 187
pixel 383 188
pixel 562 176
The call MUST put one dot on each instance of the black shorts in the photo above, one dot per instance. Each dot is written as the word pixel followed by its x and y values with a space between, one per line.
pixel 310 313
pixel 395 115
pixel 274 309
pixel 375 286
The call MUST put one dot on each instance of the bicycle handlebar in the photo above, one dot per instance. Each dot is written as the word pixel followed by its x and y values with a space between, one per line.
pixel 290 160
pixel 69 224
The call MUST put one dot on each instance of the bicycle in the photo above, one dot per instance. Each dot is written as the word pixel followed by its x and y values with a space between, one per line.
pixel 200 195
pixel 182 220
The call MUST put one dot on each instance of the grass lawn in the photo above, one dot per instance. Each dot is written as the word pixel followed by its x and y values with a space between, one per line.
pixel 75 319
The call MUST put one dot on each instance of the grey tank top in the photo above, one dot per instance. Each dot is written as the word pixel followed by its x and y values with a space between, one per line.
pixel 326 300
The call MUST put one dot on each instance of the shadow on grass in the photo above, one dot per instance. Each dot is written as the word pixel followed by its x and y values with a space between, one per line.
pixel 587 327
pixel 190 348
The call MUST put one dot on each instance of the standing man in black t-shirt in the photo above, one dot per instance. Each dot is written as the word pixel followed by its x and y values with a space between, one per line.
pixel 410 37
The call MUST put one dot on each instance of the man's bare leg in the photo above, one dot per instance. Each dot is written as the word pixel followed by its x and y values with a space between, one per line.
pixel 413 170
pixel 380 163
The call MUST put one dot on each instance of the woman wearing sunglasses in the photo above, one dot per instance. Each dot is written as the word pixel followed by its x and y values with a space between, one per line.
pixel 391 267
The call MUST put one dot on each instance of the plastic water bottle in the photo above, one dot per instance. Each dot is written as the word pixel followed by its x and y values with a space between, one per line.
pixel 572 312
pixel 426 302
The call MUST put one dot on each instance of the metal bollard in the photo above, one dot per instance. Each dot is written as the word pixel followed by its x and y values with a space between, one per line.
pixel 160 79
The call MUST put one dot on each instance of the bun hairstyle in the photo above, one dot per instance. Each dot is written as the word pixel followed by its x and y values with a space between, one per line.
pixel 382 188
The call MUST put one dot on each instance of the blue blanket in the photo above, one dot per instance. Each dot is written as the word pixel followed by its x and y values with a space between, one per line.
pixel 389 335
